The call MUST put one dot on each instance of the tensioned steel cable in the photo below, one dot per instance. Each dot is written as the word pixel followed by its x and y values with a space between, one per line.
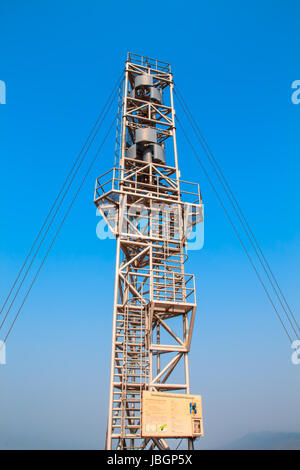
pixel 57 232
pixel 96 128
pixel 179 444
pixel 236 232
pixel 241 216
pixel 87 144
pixel 49 226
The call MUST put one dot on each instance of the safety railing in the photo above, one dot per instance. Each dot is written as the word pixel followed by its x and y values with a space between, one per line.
pixel 163 286
pixel 142 182
pixel 173 287
pixel 148 62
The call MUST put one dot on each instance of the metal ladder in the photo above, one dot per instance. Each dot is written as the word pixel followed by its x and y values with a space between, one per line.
pixel 134 377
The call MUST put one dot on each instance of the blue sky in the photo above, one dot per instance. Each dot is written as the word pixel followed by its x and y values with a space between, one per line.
pixel 234 62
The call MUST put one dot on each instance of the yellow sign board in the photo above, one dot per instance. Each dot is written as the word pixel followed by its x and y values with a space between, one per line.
pixel 171 415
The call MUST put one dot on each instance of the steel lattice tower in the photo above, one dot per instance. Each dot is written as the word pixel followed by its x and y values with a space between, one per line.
pixel 150 210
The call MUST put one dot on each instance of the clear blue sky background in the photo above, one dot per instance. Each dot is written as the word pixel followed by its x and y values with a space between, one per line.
pixel 234 62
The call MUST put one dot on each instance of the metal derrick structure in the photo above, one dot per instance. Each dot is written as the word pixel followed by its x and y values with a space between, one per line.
pixel 150 210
